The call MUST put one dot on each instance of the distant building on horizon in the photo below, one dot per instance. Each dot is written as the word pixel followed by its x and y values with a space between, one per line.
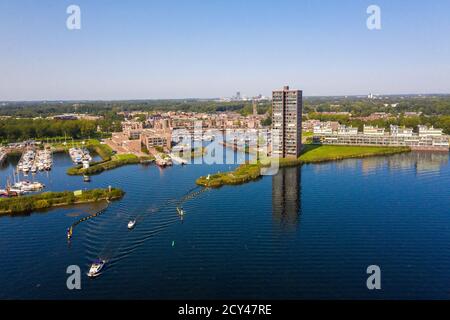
pixel 287 106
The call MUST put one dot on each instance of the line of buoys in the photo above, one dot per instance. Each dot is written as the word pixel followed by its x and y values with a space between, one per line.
pixel 70 229
pixel 186 198
pixel 191 196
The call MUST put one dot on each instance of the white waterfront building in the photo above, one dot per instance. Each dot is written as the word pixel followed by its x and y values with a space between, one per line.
pixel 397 131
pixel 323 129
pixel 424 131
pixel 345 131
pixel 373 131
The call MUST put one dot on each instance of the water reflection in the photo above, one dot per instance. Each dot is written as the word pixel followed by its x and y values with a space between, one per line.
pixel 372 164
pixel 286 203
pixel 420 162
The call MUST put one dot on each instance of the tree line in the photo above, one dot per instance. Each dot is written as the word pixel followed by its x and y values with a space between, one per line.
pixel 23 129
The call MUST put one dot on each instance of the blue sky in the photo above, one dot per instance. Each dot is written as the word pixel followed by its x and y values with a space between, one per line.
pixel 149 49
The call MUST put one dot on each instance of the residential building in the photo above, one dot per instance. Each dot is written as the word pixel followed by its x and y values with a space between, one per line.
pixel 154 138
pixel 425 131
pixel 132 129
pixel 397 131
pixel 373 131
pixel 287 108
pixel 322 129
pixel 344 130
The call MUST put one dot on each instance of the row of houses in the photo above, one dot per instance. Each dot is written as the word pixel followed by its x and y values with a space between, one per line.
pixel 189 120
pixel 427 138
pixel 330 128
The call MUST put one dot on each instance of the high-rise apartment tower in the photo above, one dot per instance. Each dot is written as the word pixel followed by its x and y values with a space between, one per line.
pixel 287 106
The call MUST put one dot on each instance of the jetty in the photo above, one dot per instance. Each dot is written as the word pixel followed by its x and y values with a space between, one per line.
pixel 178 159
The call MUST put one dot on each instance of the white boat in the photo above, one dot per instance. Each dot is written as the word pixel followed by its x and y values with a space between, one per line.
pixel 131 224
pixel 96 267
pixel 16 190
pixel 34 186
pixel 180 211
pixel 69 233
pixel 27 186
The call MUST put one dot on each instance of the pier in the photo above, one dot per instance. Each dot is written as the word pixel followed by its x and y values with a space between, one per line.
pixel 3 155
pixel 178 159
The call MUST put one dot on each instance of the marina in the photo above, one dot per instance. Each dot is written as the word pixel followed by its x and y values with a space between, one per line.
pixel 33 160
pixel 80 156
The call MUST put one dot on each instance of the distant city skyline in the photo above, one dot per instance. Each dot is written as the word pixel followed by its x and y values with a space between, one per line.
pixel 149 50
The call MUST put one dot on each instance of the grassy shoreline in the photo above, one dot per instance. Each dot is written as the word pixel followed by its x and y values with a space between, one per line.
pixel 311 154
pixel 47 200
pixel 109 164
pixel 93 145
pixel 109 160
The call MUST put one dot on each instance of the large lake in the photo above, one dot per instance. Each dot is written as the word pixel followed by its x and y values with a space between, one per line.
pixel 308 232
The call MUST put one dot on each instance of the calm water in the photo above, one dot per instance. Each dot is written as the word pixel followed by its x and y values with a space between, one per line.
pixel 308 232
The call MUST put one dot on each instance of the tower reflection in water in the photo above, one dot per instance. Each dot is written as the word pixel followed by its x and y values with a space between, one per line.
pixel 286 203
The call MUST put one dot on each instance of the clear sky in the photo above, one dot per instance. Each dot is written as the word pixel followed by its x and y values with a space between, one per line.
pixel 149 49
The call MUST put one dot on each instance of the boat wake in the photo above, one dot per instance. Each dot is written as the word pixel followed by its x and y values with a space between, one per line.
pixel 121 245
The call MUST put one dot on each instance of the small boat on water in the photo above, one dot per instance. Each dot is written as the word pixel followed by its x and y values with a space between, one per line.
pixel 96 268
pixel 14 192
pixel 27 186
pixel 131 224
pixel 86 178
pixel 180 211
pixel 69 233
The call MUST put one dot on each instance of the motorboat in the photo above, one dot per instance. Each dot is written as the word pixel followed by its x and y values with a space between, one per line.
pixel 4 193
pixel 69 233
pixel 96 268
pixel 180 211
pixel 28 186
pixel 15 192
pixel 131 224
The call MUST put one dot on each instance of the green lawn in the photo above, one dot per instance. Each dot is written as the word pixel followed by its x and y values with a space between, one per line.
pixel 125 157
pixel 313 153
